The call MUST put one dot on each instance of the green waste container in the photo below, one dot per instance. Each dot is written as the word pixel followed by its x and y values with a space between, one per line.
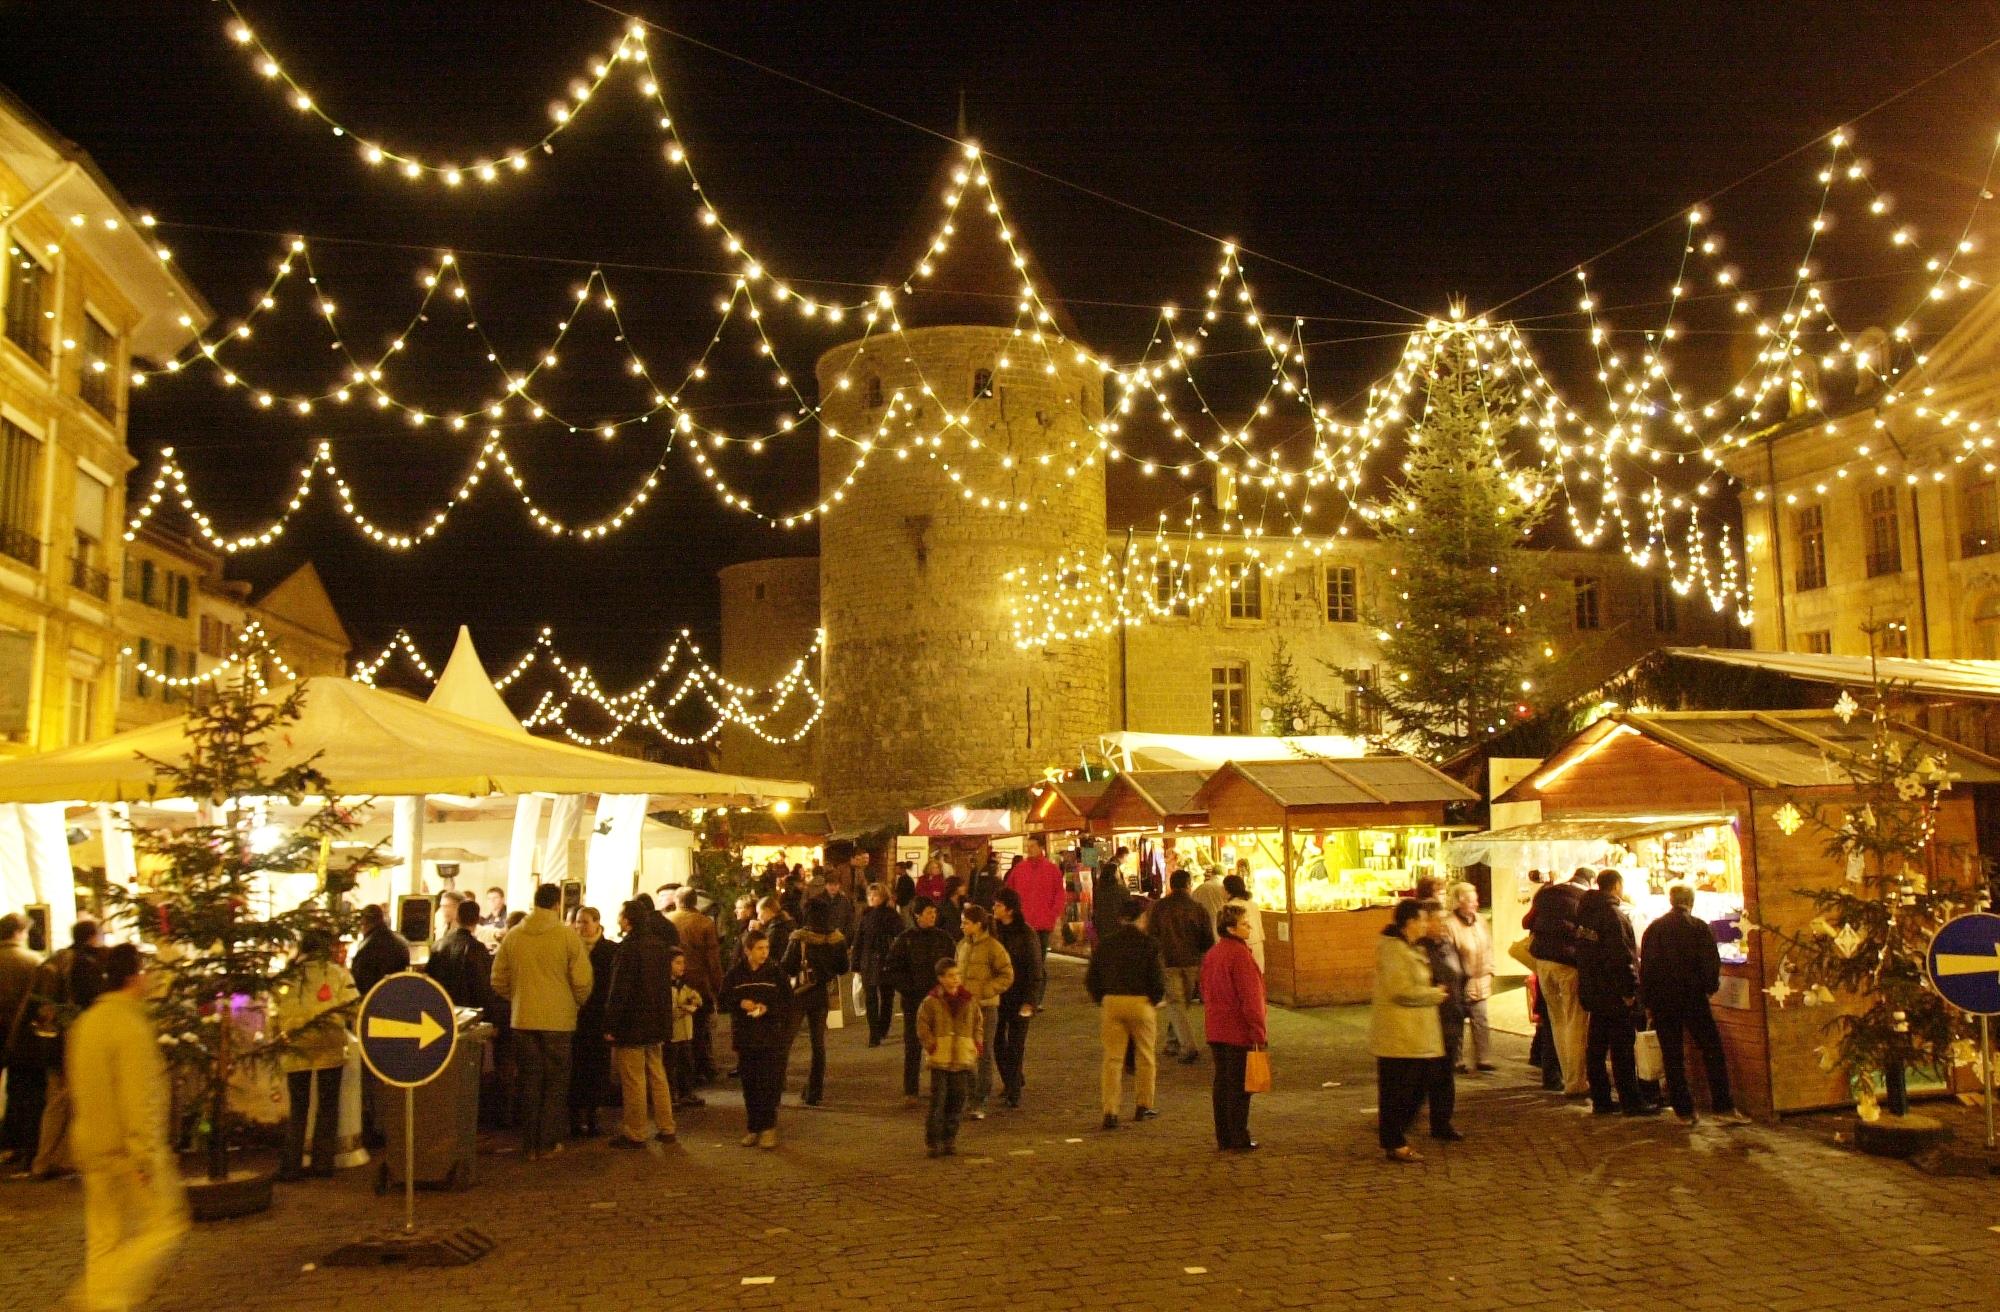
pixel 447 1118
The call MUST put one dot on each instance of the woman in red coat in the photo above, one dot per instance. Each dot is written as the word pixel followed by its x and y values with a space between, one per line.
pixel 1232 990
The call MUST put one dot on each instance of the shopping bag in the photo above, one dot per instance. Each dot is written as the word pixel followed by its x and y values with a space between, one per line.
pixel 835 1017
pixel 1521 954
pixel 1646 1053
pixel 1257 1071
pixel 860 991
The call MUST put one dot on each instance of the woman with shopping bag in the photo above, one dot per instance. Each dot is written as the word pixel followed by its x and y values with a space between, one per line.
pixel 1232 990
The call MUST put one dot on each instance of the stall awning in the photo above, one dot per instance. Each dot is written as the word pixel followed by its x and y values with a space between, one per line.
pixel 370 742
pixel 1130 750
pixel 1476 849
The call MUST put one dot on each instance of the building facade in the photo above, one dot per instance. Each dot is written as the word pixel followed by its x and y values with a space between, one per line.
pixel 86 296
pixel 1872 516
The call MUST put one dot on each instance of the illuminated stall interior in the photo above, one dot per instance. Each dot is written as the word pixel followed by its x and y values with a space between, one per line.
pixel 1330 846
pixel 1702 797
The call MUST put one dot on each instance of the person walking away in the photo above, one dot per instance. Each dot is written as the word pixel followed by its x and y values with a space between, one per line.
pixel 1211 895
pixel 544 972
pixel 1040 883
pixel 1237 889
pixel 987 971
pixel 758 999
pixel 1018 1004
pixel 590 1051
pixel 905 889
pixel 1679 970
pixel 379 953
pixel 844 916
pixel 1551 926
pixel 872 939
pixel 1232 990
pixel 1446 972
pixel 815 959
pixel 636 1021
pixel 1127 979
pixel 1403 1031
pixel 134 1209
pixel 1108 896
pixel 949 1028
pixel 1607 967
pixel 26 1074
pixel 1185 933
pixel 311 1016
pixel 1474 942
pixel 912 964
pixel 682 1072
pixel 702 942
pixel 64 988
pixel 463 968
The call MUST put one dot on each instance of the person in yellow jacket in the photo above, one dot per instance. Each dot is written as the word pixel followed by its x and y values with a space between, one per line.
pixel 134 1209
pixel 311 1018
pixel 948 1027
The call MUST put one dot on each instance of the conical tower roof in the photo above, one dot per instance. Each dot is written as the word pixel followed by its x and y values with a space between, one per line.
pixel 974 282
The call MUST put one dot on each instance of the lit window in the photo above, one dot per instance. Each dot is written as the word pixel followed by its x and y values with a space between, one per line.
pixel 1342 594
pixel 1809 527
pixel 28 304
pixel 1228 688
pixel 1246 592
pixel 97 369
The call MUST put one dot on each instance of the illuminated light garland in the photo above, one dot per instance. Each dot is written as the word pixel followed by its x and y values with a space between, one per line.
pixel 251 649
pixel 639 706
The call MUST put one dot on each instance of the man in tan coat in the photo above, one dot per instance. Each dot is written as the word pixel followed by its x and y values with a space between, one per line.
pixel 701 943
pixel 134 1209
pixel 543 969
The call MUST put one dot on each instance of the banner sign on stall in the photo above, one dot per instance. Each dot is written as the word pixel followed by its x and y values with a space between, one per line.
pixel 408 1030
pixel 961 821
pixel 1964 963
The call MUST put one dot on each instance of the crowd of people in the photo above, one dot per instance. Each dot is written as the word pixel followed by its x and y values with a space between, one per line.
pixel 582 1021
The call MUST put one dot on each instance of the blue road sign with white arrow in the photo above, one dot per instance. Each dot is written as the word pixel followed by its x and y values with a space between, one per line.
pixel 407 1029
pixel 1964 963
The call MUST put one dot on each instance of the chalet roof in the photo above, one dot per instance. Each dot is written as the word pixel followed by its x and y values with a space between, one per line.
pixel 1768 749
pixel 1939 678
pixel 1362 781
pixel 1166 792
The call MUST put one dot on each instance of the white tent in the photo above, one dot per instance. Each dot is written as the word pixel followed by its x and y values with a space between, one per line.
pixel 1129 750
pixel 371 742
pixel 465 688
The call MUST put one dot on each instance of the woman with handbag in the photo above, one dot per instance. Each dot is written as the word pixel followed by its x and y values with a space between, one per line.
pixel 815 958
pixel 1403 1032
pixel 1232 990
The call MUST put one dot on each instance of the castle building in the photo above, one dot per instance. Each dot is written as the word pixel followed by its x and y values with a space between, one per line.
pixel 928 696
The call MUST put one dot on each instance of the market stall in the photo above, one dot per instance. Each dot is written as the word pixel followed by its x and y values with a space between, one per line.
pixel 1150 814
pixel 1330 845
pixel 1712 798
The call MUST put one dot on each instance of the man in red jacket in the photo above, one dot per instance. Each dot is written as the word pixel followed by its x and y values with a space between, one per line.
pixel 1233 990
pixel 1039 881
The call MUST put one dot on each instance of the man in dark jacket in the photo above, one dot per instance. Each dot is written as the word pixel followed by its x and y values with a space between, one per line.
pixel 661 924
pixel 1607 968
pixel 912 964
pixel 1126 979
pixel 880 926
pixel 380 952
pixel 1185 933
pixel 1018 1003
pixel 984 889
pixel 64 988
pixel 461 963
pixel 638 1022
pixel 1551 922
pixel 1679 970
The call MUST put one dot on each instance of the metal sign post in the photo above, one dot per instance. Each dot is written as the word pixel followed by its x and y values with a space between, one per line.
pixel 409 1034
pixel 1964 967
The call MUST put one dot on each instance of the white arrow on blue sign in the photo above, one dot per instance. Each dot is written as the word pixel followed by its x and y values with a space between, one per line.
pixel 408 1031
pixel 1964 963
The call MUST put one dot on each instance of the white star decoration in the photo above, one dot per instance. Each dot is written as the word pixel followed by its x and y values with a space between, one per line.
pixel 1781 991
pixel 1788 819
pixel 1846 707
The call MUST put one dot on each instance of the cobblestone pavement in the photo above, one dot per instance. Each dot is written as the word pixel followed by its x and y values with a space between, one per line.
pixel 1542 1207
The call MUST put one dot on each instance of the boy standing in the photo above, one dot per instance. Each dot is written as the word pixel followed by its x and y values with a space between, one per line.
pixel 687 1001
pixel 949 1027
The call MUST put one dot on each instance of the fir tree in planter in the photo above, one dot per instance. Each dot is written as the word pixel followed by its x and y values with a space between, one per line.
pixel 1864 949
pixel 220 942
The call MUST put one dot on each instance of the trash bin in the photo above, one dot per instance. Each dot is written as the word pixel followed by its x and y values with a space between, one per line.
pixel 447 1117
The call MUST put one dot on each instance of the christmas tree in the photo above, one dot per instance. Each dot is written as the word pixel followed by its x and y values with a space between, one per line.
pixel 1288 712
pixel 1863 952
pixel 223 949
pixel 1463 638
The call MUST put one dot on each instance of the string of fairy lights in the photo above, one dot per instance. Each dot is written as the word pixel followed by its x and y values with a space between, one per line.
pixel 790 698
pixel 1605 474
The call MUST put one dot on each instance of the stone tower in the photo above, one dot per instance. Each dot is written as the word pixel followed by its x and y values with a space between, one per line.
pixel 927 697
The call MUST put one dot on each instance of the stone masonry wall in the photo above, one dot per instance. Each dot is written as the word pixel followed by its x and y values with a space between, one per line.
pixel 770 611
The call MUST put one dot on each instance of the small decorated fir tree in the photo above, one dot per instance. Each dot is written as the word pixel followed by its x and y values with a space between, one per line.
pixel 1288 712
pixel 1864 950
pixel 221 945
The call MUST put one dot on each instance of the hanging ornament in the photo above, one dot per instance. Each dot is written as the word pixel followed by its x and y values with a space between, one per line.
pixel 1857 865
pixel 1846 707
pixel 1818 995
pixel 1781 992
pixel 1788 819
pixel 1847 940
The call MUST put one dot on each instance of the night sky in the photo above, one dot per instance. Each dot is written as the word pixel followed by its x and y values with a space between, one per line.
pixel 1414 151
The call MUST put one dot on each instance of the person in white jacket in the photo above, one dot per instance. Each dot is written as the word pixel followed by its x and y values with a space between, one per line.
pixel 134 1209
pixel 1405 1036
pixel 1239 896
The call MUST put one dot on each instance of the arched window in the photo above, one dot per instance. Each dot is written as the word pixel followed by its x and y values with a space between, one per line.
pixel 982 384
